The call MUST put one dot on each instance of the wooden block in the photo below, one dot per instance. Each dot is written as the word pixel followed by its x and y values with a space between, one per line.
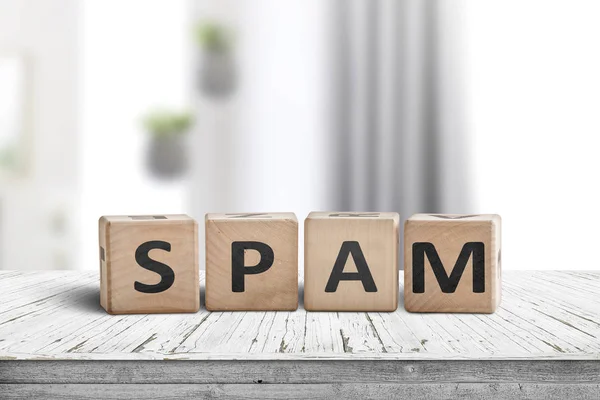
pixel 149 264
pixel 452 263
pixel 251 262
pixel 351 261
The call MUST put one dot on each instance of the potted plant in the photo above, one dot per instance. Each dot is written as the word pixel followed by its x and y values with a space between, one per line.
pixel 166 157
pixel 217 68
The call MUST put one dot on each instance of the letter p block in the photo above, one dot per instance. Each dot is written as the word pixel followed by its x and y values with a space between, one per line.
pixel 149 264
pixel 351 261
pixel 251 262
pixel 452 263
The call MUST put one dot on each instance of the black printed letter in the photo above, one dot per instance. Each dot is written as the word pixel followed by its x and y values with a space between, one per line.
pixel 448 284
pixel 238 269
pixel 363 274
pixel 166 273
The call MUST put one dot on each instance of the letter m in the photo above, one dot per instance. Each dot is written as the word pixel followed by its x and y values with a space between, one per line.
pixel 447 283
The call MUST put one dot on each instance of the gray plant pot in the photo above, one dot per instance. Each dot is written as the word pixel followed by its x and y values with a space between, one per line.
pixel 167 157
pixel 217 74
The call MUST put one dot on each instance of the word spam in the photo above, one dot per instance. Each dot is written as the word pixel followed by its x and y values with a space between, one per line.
pixel 149 263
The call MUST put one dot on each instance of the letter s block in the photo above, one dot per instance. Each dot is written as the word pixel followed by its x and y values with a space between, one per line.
pixel 251 262
pixel 149 264
pixel 452 263
pixel 351 261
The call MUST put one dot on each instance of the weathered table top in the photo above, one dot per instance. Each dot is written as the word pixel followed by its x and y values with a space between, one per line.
pixel 56 315
pixel 543 343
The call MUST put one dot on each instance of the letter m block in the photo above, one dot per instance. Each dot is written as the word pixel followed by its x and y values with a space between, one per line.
pixel 452 263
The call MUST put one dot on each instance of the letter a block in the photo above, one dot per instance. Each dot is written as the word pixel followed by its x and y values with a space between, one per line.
pixel 251 262
pixel 149 264
pixel 351 261
pixel 452 263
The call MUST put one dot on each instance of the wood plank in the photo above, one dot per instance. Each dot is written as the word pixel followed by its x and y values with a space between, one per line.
pixel 167 337
pixel 298 371
pixel 313 391
pixel 289 337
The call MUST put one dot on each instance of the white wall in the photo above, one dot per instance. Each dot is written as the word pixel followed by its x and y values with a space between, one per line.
pixel 284 115
pixel 531 79
pixel 135 57
pixel 40 221
pixel 266 147
pixel 279 136
pixel 534 86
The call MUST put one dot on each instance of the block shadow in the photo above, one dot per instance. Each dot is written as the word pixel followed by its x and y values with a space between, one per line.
pixel 88 299
pixel 300 296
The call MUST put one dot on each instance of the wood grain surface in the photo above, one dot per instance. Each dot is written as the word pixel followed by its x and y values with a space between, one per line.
pixel 307 391
pixel 57 315
pixel 122 238
pixel 448 235
pixel 57 342
pixel 275 288
pixel 337 244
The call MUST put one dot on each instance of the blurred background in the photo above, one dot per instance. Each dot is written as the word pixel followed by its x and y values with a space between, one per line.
pixel 183 106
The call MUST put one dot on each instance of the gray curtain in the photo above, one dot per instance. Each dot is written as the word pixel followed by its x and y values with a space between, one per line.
pixel 400 140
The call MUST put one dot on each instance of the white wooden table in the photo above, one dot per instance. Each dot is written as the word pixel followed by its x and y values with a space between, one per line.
pixel 56 341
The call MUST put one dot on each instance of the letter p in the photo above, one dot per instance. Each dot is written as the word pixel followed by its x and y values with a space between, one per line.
pixel 238 267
